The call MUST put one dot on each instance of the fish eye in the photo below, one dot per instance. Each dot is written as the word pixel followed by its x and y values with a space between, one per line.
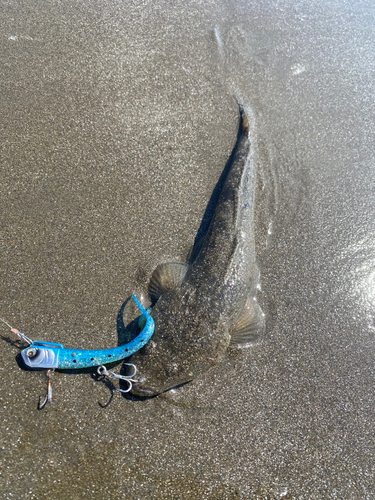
pixel 31 352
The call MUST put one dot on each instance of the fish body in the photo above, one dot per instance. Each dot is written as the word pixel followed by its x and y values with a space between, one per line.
pixel 210 303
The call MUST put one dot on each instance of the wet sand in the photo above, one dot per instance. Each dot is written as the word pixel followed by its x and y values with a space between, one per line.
pixel 116 123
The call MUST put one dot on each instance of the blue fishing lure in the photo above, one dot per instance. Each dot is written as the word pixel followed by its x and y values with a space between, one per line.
pixel 51 356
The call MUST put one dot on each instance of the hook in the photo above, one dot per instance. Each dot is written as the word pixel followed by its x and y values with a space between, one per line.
pixel 102 370
pixel 48 397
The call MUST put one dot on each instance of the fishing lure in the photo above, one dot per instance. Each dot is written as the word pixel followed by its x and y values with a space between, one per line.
pixel 51 356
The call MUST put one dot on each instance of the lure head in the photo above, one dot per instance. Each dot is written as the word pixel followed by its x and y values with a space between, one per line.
pixel 41 355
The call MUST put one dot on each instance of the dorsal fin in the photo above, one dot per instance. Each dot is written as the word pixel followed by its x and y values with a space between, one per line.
pixel 249 324
pixel 194 250
pixel 166 277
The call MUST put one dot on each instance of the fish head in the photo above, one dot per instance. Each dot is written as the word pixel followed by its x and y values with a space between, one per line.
pixel 156 373
pixel 182 346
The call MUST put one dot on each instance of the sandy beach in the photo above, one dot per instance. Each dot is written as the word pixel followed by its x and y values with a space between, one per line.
pixel 117 120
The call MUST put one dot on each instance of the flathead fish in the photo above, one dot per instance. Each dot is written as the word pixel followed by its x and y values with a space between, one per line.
pixel 203 307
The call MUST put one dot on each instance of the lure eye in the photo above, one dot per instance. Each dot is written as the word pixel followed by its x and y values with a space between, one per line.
pixel 31 352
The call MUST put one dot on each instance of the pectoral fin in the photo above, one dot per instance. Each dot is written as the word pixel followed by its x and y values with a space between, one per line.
pixel 166 277
pixel 249 324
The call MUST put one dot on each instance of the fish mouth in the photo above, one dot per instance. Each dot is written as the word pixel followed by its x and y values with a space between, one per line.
pixel 144 393
pixel 142 388
pixel 138 389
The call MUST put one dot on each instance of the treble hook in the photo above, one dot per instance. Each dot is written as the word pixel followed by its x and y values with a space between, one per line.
pixel 102 370
pixel 48 397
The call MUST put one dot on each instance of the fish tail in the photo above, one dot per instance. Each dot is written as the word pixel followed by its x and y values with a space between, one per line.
pixel 244 122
